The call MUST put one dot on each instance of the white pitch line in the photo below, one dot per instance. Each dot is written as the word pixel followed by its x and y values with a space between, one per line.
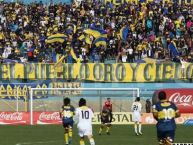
pixel 39 142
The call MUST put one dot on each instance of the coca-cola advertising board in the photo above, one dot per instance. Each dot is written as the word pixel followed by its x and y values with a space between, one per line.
pixel 22 118
pixel 16 118
pixel 47 118
pixel 183 98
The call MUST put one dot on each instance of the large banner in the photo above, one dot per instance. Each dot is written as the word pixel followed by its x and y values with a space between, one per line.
pixel 21 90
pixel 23 118
pixel 98 72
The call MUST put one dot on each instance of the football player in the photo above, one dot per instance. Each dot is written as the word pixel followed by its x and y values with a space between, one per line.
pixel 109 105
pixel 136 109
pixel 66 113
pixel 165 113
pixel 105 120
pixel 84 115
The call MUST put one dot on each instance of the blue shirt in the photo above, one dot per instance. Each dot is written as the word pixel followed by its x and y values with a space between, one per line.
pixel 166 115
pixel 67 113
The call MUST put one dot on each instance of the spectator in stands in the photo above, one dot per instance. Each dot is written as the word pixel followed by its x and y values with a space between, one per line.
pixel 155 30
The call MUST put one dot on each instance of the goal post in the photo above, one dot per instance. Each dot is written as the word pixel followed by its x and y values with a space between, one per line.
pixel 54 97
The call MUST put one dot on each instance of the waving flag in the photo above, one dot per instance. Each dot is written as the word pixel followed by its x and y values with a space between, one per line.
pixel 56 57
pixel 88 40
pixel 85 39
pixel 59 63
pixel 56 38
pixel 173 49
pixel 74 56
pixel 96 32
pixel 73 27
pixel 100 41
pixel 81 37
pixel 124 33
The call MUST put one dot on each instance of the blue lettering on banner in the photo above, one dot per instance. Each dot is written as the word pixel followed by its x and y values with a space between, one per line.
pixel 12 91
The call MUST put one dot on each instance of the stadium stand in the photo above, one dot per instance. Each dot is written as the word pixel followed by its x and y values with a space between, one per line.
pixel 94 32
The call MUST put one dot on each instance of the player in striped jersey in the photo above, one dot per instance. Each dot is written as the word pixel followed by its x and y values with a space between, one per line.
pixel 66 113
pixel 165 113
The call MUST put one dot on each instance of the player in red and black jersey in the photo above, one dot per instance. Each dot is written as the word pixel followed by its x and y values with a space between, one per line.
pixel 106 117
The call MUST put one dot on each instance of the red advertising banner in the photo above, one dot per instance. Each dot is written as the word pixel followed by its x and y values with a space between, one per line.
pixel 183 98
pixel 46 118
pixel 22 118
pixel 16 118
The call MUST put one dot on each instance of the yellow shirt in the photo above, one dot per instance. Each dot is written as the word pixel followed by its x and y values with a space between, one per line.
pixel 13 35
pixel 27 36
pixel 141 15
pixel 132 27
pixel 2 36
pixel 144 45
pixel 177 22
pixel 139 47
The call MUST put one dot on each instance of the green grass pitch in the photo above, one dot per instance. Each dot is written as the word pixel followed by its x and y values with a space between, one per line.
pixel 53 135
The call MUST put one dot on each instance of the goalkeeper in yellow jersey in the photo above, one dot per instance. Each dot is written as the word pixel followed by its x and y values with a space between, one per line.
pixel 66 113
pixel 105 120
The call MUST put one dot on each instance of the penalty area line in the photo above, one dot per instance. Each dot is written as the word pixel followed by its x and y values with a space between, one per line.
pixel 38 142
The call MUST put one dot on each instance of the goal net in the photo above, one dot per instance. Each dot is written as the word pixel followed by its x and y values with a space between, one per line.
pixel 51 99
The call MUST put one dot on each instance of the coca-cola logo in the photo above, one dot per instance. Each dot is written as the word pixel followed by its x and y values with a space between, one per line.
pixel 16 116
pixel 177 98
pixel 49 116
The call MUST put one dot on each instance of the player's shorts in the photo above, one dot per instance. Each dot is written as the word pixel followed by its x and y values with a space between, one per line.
pixel 136 117
pixel 68 123
pixel 105 120
pixel 162 135
pixel 85 131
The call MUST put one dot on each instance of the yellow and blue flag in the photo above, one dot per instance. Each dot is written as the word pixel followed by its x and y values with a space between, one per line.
pixel 72 28
pixel 56 38
pixel 58 64
pixel 88 40
pixel 100 41
pixel 56 57
pixel 124 33
pixel 85 38
pixel 96 32
pixel 81 37
pixel 172 47
pixel 74 55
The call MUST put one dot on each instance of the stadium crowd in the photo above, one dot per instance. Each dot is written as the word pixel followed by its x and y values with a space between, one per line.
pixel 161 31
